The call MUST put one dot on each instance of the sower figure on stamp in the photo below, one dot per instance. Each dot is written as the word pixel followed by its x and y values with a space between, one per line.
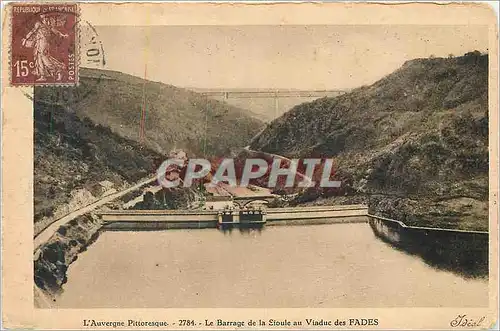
pixel 40 38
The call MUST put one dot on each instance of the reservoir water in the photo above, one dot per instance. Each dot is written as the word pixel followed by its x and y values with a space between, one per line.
pixel 337 265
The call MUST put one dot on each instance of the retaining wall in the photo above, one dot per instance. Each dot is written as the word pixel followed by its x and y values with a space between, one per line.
pixel 465 252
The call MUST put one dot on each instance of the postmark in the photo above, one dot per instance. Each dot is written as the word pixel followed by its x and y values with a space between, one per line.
pixel 91 55
pixel 91 62
pixel 44 44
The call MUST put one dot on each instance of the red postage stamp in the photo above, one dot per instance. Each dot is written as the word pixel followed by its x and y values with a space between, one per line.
pixel 44 44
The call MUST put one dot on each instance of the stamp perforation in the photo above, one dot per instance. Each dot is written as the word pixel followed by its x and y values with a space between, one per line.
pixel 49 65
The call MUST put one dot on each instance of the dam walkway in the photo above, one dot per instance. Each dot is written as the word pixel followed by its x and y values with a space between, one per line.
pixel 136 219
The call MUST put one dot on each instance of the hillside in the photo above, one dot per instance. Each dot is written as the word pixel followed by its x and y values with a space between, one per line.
pixel 175 117
pixel 88 134
pixel 413 145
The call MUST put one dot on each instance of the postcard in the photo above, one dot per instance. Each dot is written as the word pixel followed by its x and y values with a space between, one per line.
pixel 249 166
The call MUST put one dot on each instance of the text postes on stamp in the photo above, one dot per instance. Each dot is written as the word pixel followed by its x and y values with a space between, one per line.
pixel 44 44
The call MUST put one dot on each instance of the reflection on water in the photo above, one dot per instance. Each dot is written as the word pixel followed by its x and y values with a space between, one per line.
pixel 338 265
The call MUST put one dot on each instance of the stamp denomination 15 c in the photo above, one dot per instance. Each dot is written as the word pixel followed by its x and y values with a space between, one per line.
pixel 44 44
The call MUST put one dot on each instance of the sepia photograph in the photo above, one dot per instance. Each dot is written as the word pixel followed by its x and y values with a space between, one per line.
pixel 318 166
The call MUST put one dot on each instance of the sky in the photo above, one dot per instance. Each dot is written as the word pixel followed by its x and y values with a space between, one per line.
pixel 294 57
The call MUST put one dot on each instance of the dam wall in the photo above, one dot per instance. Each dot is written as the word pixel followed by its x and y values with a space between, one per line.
pixel 178 219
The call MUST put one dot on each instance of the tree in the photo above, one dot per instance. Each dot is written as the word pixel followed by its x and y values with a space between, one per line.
pixel 475 53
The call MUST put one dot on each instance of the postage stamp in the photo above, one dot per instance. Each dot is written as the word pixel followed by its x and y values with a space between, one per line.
pixel 44 44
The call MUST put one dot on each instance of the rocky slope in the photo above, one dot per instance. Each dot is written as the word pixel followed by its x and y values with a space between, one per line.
pixel 62 249
pixel 72 154
pixel 89 134
pixel 413 145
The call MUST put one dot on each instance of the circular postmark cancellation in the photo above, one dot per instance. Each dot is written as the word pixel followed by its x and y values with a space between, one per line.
pixel 52 49
pixel 92 61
